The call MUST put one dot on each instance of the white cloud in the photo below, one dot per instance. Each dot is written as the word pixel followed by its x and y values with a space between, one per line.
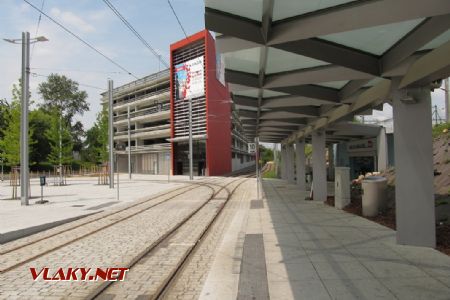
pixel 72 20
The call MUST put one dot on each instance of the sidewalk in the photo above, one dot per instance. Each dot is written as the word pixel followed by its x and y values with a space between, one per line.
pixel 313 251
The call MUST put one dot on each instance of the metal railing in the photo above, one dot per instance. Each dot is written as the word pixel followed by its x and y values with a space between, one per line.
pixel 149 78
pixel 148 111
pixel 122 102
pixel 145 129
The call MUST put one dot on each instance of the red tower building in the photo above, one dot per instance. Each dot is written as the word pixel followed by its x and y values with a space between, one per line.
pixel 197 75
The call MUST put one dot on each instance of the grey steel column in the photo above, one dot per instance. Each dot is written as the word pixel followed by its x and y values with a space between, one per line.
pixel 447 100
pixel 291 174
pixel 257 167
pixel 413 147
pixel 331 162
pixel 319 167
pixel 300 163
pixel 129 144
pixel 111 134
pixel 283 162
pixel 382 150
pixel 24 175
pixel 60 146
pixel 275 159
pixel 191 163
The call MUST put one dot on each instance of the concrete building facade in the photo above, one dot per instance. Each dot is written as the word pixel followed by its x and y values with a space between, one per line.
pixel 143 107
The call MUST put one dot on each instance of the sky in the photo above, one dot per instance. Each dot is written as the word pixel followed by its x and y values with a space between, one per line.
pixel 95 22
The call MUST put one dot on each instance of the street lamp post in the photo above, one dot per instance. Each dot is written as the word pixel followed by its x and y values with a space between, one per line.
pixel 447 99
pixel 191 163
pixel 24 155
pixel 129 143
pixel 111 134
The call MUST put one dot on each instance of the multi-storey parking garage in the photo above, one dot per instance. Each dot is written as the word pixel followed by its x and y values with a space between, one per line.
pixel 142 114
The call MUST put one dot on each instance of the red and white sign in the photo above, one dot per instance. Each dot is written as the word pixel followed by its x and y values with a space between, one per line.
pixel 190 79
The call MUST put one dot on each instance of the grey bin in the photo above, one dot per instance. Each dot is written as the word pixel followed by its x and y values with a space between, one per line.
pixel 374 195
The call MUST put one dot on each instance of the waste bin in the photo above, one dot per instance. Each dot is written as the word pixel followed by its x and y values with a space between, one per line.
pixel 374 195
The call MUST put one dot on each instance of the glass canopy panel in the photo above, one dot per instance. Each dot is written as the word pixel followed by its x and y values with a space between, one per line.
pixel 282 61
pixel 283 9
pixel 373 82
pixel 247 107
pixel 375 40
pixel 248 93
pixel 334 84
pixel 269 93
pixel 250 9
pixel 246 60
pixel 437 42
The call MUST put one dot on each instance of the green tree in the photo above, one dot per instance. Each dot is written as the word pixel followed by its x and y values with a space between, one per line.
pixel 62 94
pixel 266 154
pixel 10 142
pixel 102 121
pixel 40 123
pixel 10 133
pixel 78 133
pixel 308 150
pixel 4 113
pixel 95 144
pixel 60 139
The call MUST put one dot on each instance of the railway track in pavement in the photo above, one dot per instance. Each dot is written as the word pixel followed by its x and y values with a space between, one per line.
pixel 159 266
pixel 117 240
pixel 16 253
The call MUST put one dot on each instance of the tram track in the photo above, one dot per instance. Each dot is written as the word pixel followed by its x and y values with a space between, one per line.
pixel 16 256
pixel 159 287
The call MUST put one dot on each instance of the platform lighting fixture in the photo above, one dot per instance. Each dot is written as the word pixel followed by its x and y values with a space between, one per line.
pixel 24 155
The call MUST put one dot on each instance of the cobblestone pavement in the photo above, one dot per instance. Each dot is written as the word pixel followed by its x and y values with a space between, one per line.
pixel 189 283
pixel 148 276
pixel 45 242
pixel 114 246
pixel 50 232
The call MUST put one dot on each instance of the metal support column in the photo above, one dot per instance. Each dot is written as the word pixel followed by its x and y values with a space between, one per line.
pixel 111 134
pixel 275 159
pixel 300 164
pixel 319 167
pixel 447 99
pixel 382 150
pixel 291 168
pixel 129 143
pixel 191 157
pixel 414 189
pixel 24 171
pixel 257 167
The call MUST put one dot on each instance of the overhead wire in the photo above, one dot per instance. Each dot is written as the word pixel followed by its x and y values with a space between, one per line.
pixel 75 70
pixel 80 84
pixel 37 28
pixel 178 20
pixel 81 40
pixel 134 31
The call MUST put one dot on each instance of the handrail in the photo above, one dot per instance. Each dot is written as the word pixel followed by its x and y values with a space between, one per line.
pixel 145 129
pixel 122 102
pixel 140 81
pixel 150 110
